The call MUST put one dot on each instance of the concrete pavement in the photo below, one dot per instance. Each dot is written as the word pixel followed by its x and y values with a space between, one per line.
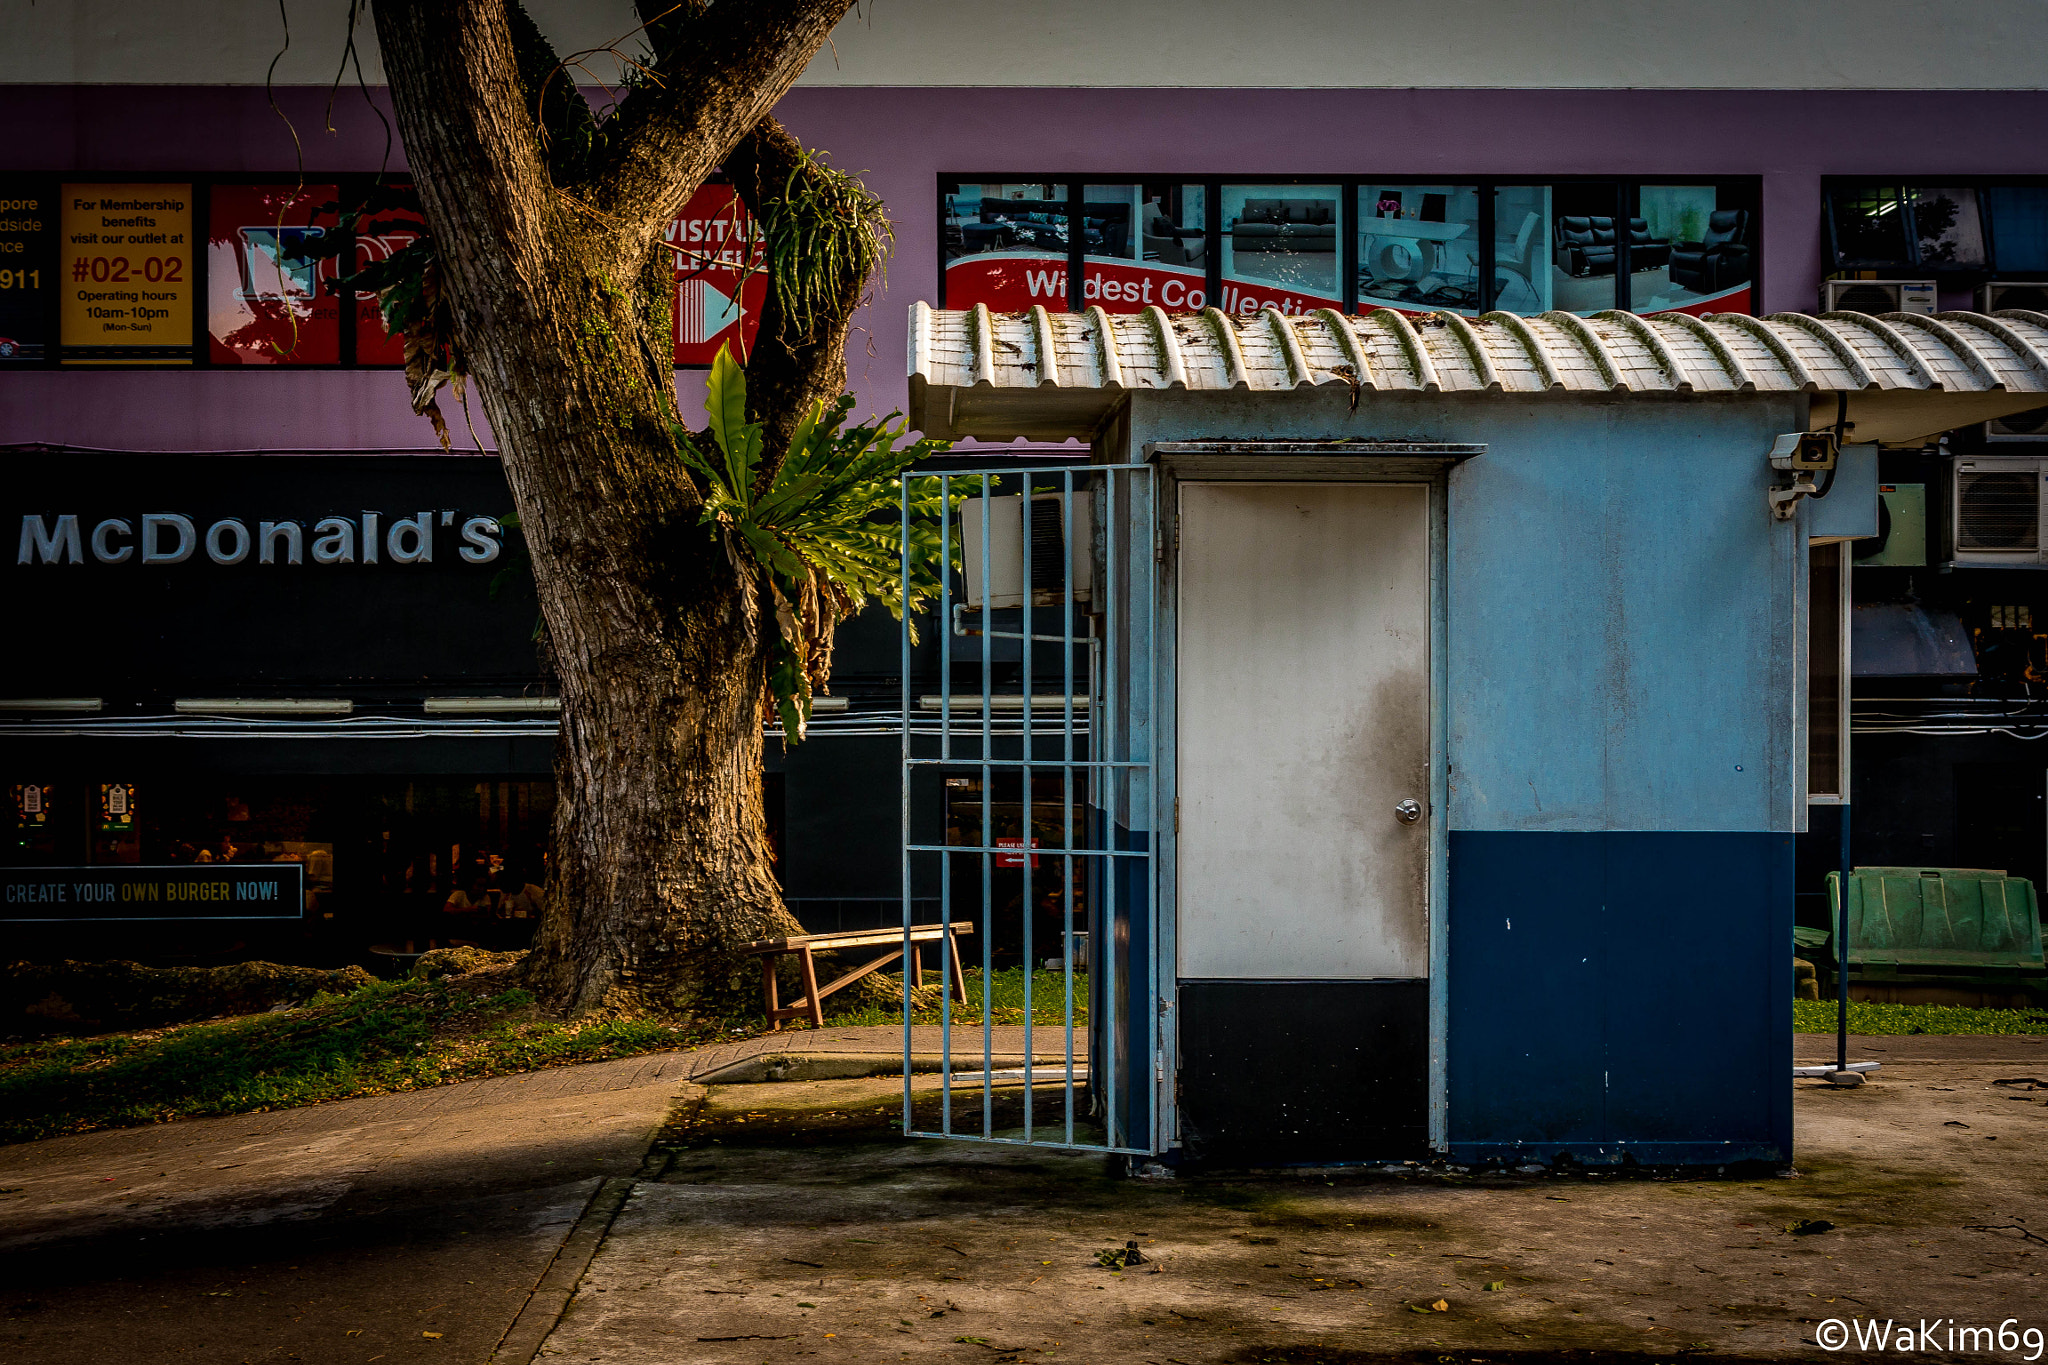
pixel 864 1249
pixel 419 1226
pixel 398 1227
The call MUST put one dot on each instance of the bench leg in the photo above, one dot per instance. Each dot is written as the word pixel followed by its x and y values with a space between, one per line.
pixel 959 976
pixel 811 989
pixel 917 964
pixel 768 992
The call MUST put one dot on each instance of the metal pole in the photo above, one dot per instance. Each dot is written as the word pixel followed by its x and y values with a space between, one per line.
pixel 1842 942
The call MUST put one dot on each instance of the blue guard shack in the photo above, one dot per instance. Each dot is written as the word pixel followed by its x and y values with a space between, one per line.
pixel 1445 721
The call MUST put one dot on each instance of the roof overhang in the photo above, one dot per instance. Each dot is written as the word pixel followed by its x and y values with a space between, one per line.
pixel 1050 376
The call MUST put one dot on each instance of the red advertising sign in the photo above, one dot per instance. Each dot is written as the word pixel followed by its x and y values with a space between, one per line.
pixel 1015 859
pixel 721 278
pixel 1735 300
pixel 378 238
pixel 1008 281
pixel 265 305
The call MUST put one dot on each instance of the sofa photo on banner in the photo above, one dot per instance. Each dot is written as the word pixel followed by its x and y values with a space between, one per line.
pixel 1585 246
pixel 1285 225
pixel 1719 259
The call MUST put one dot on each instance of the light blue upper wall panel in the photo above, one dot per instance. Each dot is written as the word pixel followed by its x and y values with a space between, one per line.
pixel 1623 615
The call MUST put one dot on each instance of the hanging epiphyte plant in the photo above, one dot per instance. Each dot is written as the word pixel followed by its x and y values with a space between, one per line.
pixel 826 532
pixel 824 238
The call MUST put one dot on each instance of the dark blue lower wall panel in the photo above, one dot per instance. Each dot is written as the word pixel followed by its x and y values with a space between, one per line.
pixel 1288 1072
pixel 1620 997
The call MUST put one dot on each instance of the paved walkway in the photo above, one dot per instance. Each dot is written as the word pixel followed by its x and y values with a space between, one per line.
pixel 408 1227
pixel 346 1231
pixel 336 1232
pixel 863 1251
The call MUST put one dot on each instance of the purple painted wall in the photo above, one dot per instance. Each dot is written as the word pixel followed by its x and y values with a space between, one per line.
pixel 903 140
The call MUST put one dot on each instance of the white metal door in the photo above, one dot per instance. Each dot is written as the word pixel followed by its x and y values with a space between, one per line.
pixel 1303 725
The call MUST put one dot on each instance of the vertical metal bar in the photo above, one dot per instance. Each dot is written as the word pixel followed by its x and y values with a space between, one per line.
pixel 903 641
pixel 1025 777
pixel 1067 792
pixel 1842 937
pixel 1154 817
pixel 1488 207
pixel 1117 784
pixel 945 631
pixel 988 898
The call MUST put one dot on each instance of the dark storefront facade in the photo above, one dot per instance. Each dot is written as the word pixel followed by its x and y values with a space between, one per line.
pixel 315 660
pixel 245 390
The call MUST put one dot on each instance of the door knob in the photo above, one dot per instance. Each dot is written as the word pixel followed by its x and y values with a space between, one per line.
pixel 1410 811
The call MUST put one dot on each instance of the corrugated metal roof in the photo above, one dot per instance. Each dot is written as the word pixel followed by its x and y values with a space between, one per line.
pixel 1043 374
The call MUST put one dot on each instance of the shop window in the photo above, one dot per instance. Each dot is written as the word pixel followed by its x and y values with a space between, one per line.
pixel 1418 247
pixel 1869 227
pixel 117 838
pixel 380 235
pixel 1948 230
pixel 271 297
pixel 1909 228
pixel 1690 245
pixel 1585 255
pixel 1145 245
pixel 1280 247
pixel 1971 229
pixel 1005 245
pixel 33 840
pixel 2019 228
pixel 1521 248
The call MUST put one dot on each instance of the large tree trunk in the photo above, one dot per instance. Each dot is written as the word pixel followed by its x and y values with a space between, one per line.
pixel 560 298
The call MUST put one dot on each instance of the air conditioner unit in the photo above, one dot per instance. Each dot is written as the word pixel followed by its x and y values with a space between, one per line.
pixel 1999 295
pixel 1055 564
pixel 1877 296
pixel 2003 296
pixel 1995 509
pixel 2031 425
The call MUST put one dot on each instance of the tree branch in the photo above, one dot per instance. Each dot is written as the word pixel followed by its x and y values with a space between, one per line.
pixel 568 131
pixel 723 68
pixel 791 369
pixel 461 106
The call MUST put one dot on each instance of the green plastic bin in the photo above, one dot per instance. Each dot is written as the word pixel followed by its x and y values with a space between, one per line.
pixel 1941 923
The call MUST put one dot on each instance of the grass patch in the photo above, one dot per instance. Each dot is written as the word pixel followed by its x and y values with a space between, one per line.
pixel 1003 994
pixel 1818 1016
pixel 391 1036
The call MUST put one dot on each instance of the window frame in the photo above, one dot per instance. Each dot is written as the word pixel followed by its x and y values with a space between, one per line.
pixel 352 186
pixel 1956 276
pixel 1627 201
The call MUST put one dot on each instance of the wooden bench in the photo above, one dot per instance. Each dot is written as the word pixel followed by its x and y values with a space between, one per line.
pixel 811 1004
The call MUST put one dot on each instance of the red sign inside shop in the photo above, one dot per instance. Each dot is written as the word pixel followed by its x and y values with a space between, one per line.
pixel 379 237
pixel 721 278
pixel 1012 281
pixel 265 305
pixel 1015 859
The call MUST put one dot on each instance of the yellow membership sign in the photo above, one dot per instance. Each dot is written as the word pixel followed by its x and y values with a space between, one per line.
pixel 126 264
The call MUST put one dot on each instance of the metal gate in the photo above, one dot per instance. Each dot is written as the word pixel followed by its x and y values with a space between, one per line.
pixel 1028 795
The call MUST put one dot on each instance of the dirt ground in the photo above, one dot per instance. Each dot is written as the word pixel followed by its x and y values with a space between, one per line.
pixel 766 1241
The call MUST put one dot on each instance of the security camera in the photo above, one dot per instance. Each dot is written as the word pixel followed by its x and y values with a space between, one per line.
pixel 1807 451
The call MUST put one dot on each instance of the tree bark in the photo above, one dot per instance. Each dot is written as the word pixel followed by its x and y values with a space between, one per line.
pixel 561 301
